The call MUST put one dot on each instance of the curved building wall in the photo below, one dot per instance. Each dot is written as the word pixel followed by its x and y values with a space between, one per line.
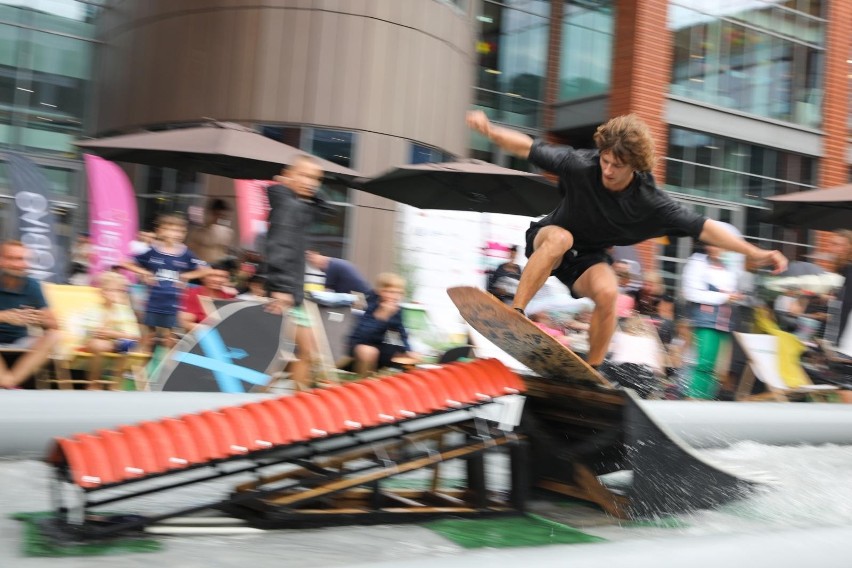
pixel 392 71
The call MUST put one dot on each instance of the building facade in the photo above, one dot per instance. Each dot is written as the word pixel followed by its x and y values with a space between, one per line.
pixel 367 84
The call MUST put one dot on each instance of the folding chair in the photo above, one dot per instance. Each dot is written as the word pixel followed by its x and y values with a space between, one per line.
pixel 67 302
pixel 784 381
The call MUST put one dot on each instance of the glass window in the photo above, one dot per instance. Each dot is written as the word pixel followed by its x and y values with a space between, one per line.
pixel 512 52
pixel 764 59
pixel 328 234
pixel 421 154
pixel 167 191
pixel 333 145
pixel 585 65
pixel 8 73
pixel 284 134
pixel 734 172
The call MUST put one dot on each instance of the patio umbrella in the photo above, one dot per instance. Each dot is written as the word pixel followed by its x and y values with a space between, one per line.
pixel 470 185
pixel 222 149
pixel 822 209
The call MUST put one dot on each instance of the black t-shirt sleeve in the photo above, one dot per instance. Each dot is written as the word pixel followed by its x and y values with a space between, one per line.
pixel 677 220
pixel 554 159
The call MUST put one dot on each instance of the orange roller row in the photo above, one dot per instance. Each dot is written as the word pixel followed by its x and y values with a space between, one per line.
pixel 129 452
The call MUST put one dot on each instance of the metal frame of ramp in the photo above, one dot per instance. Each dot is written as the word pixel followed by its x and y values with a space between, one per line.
pixel 316 458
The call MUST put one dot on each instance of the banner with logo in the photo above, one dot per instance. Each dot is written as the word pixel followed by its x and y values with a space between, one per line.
pixel 113 220
pixel 36 224
pixel 252 209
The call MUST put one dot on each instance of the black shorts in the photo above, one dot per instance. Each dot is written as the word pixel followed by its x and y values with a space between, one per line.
pixel 573 264
pixel 387 352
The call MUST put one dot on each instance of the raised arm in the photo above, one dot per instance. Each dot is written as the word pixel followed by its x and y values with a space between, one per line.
pixel 715 233
pixel 511 141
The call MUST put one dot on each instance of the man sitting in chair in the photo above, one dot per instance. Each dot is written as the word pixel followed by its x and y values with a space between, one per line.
pixel 110 327
pixel 22 306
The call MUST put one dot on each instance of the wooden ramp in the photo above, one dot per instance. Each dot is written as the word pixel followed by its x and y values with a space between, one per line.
pixel 579 434
pixel 316 458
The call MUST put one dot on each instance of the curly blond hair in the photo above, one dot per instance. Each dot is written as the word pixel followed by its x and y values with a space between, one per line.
pixel 629 139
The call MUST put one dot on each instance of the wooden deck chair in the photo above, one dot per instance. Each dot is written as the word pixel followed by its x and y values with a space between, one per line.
pixel 68 301
pixel 772 359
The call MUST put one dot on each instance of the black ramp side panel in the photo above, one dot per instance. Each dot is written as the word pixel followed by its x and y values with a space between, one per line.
pixel 669 476
pixel 235 348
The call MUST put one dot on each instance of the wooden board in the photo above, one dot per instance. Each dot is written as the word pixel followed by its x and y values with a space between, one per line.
pixel 521 338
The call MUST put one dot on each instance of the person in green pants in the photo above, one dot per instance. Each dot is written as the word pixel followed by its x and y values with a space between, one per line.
pixel 709 288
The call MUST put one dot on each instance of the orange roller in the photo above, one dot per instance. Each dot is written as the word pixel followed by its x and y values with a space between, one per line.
pixel 96 458
pixel 223 433
pixel 510 381
pixel 348 417
pixel 141 452
pixel 411 402
pixel 162 446
pixel 266 424
pixel 182 440
pixel 71 452
pixel 476 387
pixel 292 413
pixel 388 398
pixel 322 422
pixel 440 391
pixel 246 433
pixel 460 391
pixel 423 387
pixel 369 402
pixel 119 454
pixel 356 407
pixel 203 436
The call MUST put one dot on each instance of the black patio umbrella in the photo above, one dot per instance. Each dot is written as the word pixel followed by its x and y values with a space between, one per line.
pixel 822 209
pixel 465 186
pixel 222 149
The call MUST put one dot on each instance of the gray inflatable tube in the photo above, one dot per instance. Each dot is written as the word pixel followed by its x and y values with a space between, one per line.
pixel 30 419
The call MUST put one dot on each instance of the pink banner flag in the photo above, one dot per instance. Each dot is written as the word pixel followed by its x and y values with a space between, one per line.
pixel 113 220
pixel 252 208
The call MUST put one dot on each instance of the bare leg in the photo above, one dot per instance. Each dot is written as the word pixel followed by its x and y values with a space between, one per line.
pixel 366 359
pixel 551 243
pixel 34 358
pixel 300 369
pixel 167 337
pixel 97 347
pixel 147 339
pixel 5 374
pixel 599 284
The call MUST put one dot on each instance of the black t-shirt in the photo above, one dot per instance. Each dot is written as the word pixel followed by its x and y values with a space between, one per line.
pixel 599 218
